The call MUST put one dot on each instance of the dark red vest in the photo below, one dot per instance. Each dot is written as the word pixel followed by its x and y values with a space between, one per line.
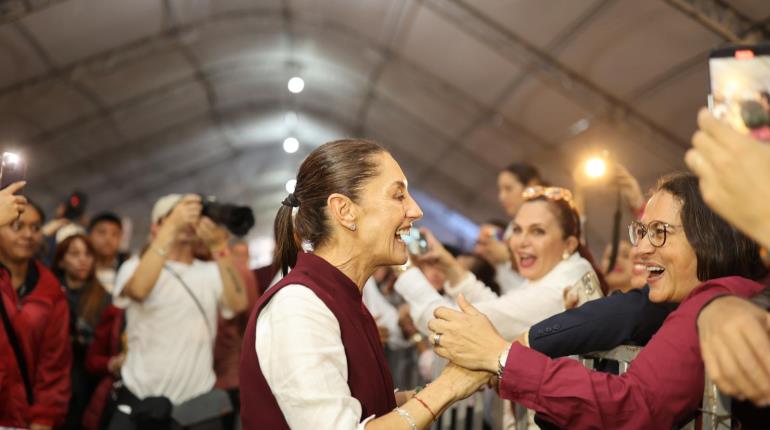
pixel 369 378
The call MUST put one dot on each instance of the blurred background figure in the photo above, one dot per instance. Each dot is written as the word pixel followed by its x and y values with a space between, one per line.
pixel 75 266
pixel 106 233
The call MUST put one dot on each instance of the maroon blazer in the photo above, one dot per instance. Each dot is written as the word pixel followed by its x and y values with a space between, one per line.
pixel 369 378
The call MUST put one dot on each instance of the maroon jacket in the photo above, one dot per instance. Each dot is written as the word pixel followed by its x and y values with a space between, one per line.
pixel 41 322
pixel 107 344
pixel 663 386
pixel 368 375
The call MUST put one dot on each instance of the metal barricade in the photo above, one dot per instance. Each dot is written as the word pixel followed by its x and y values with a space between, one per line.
pixel 716 407
pixel 468 413
pixel 623 354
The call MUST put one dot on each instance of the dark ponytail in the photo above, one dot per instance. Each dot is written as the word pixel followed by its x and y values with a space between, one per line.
pixel 341 166
pixel 286 246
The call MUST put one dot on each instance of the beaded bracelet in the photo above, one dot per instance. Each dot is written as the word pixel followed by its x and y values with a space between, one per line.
pixel 405 415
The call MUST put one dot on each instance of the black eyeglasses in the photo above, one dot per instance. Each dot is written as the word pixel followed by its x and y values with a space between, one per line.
pixel 656 232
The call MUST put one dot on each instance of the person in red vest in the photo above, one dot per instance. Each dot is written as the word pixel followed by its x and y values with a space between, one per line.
pixel 35 352
pixel 311 355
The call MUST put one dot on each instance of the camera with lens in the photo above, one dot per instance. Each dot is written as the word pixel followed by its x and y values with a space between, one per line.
pixel 237 219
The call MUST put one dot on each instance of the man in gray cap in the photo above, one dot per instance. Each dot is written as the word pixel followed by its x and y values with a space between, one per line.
pixel 171 300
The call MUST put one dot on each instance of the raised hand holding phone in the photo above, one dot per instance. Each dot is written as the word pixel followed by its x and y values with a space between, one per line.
pixel 739 77
pixel 734 175
pixel 13 169
pixel 11 205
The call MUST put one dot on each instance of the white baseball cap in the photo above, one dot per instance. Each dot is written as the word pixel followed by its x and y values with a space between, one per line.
pixel 164 206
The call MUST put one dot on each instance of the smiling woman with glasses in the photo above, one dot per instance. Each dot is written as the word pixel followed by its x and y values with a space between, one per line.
pixel 656 232
pixel 692 256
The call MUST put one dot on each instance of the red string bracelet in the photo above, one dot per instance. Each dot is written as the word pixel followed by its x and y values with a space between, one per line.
pixel 426 407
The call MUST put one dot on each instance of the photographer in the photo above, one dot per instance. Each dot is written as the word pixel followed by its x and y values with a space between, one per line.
pixel 171 301
pixel 35 350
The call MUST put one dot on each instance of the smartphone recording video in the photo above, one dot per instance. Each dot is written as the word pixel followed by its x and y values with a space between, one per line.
pixel 416 242
pixel 13 169
pixel 740 88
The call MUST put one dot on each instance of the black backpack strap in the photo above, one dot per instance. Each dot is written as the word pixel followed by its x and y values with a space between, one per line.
pixel 18 352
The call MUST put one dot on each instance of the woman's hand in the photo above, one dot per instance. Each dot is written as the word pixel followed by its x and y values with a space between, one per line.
pixel 735 344
pixel 439 255
pixel 490 248
pixel 468 338
pixel 570 298
pixel 51 227
pixel 734 175
pixel 383 331
pixel 436 251
pixel 629 188
pixel 11 205
pixel 115 363
pixel 404 396
pixel 464 382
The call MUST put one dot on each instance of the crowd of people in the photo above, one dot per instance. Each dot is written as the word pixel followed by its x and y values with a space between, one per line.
pixel 93 338
pixel 348 329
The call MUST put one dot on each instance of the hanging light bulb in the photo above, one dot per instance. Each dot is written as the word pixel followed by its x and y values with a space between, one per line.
pixel 290 145
pixel 291 184
pixel 296 85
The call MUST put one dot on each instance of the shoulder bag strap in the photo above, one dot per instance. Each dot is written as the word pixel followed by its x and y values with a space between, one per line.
pixel 18 352
pixel 192 296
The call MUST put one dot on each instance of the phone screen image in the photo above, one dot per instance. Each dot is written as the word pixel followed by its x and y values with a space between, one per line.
pixel 13 169
pixel 740 88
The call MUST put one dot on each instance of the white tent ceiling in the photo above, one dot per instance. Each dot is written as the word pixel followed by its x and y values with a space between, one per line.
pixel 129 100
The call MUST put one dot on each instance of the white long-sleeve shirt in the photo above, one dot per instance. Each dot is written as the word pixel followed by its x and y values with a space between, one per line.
pixel 507 278
pixel 384 313
pixel 301 355
pixel 512 313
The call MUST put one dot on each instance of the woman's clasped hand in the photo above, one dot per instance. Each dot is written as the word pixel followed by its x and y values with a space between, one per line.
pixel 465 337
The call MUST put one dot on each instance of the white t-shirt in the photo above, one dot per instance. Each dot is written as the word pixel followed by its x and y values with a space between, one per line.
pixel 106 276
pixel 170 351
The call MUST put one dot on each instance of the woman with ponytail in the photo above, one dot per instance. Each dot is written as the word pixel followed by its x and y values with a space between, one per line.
pixel 546 247
pixel 311 356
